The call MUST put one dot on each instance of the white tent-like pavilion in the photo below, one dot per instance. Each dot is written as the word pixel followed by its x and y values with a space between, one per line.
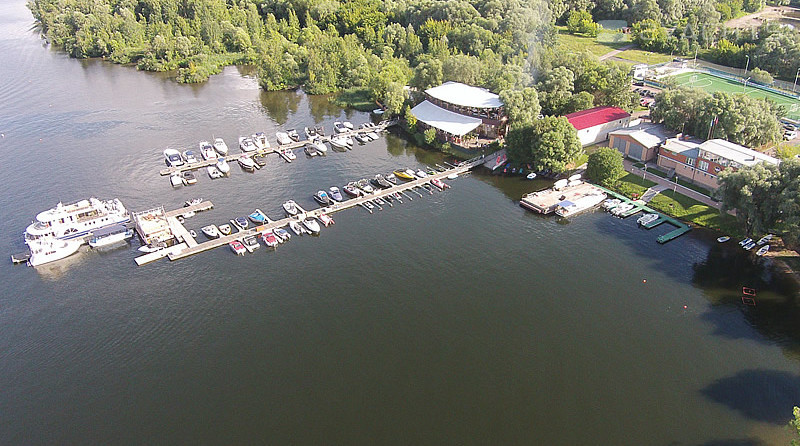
pixel 465 95
pixel 445 120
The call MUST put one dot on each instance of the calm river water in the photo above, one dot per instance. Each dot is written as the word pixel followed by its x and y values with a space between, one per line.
pixel 456 318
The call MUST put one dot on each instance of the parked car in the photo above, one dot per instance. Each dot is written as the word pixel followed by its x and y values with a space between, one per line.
pixel 790 134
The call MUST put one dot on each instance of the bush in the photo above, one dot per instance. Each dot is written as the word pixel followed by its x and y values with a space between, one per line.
pixel 760 76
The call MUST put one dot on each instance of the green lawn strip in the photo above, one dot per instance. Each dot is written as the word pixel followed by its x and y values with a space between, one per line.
pixel 632 186
pixel 646 57
pixel 690 210
pixel 357 98
pixel 577 44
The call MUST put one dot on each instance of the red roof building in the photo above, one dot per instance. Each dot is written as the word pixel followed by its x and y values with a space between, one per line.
pixel 594 124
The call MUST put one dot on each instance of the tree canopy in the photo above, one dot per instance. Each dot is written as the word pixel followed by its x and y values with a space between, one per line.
pixel 548 143
pixel 605 166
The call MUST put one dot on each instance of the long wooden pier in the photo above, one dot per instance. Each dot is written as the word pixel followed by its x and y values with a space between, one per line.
pixel 336 207
pixel 232 157
pixel 680 227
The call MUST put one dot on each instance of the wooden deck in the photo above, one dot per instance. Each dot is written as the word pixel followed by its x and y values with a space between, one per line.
pixel 404 187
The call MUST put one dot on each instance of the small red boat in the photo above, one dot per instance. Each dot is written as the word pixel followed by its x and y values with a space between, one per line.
pixel 440 184
pixel 326 220
pixel 269 239
pixel 237 247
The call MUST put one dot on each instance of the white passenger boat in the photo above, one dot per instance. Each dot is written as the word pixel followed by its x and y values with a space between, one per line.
pixel 260 140
pixel 110 235
pixel 188 177
pixel 211 231
pixel 247 163
pixel 270 239
pixel 320 146
pixel 282 234
pixel 338 127
pixel 336 194
pixel 338 142
pixel 246 144
pixel 214 172
pixel 311 225
pixel 291 207
pixel 207 151
pixel 173 158
pixel 283 138
pixel 568 208
pixel 190 156
pixel 348 125
pixel 293 135
pixel 250 243
pixel 223 166
pixel 289 154
pixel 71 222
pixel 622 208
pixel 647 219
pixel 220 146
pixel 296 227
pixel 175 180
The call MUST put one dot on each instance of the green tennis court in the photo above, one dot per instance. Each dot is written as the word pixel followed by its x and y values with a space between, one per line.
pixel 711 83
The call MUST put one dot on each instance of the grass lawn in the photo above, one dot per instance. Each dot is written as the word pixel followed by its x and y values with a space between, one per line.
pixel 357 98
pixel 647 57
pixel 688 209
pixel 577 44
pixel 711 83
pixel 633 185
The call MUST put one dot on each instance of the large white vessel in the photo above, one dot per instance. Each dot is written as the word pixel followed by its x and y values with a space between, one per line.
pixel 59 232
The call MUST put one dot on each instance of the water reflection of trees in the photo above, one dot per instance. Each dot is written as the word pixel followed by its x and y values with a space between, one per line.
pixel 322 107
pixel 722 275
pixel 279 104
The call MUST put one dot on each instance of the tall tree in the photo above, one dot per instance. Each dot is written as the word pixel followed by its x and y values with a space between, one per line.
pixel 548 143
pixel 521 106
pixel 605 166
pixel 755 194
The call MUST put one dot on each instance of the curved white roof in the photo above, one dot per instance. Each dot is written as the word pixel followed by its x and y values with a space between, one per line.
pixel 450 122
pixel 465 95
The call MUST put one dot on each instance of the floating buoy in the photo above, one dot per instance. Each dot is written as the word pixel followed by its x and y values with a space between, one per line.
pixel 644 280
pixel 685 307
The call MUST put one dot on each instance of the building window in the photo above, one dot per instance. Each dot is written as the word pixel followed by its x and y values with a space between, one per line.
pixel 690 161
pixel 703 165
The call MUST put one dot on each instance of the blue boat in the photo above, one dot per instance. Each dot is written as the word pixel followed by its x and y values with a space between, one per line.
pixel 258 217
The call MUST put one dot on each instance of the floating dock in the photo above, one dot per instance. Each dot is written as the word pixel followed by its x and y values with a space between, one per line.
pixel 291 146
pixel 546 201
pixel 680 227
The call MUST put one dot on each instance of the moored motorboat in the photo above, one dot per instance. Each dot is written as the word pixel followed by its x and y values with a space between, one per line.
pixel 260 159
pixel 288 154
pixel 283 138
pixel 326 220
pixel 382 182
pixel 247 163
pixel 351 189
pixel 531 176
pixel 213 172
pixel 258 217
pixel 745 241
pixel 293 135
pixel 338 127
pixel 311 225
pixel 173 158
pixel 322 198
pixel 282 234
pixel 571 208
pixel 207 151
pixel 176 180
pixel 210 231
pixel 291 207
pixel 372 135
pixel 439 184
pixel 723 239
pixel 421 173
pixel 402 174
pixel 335 193
pixel 188 177
pixel 110 235
pixel 622 208
pixel 225 229
pixel 296 227
pixel 338 142
pixel 269 239
pixel 311 149
pixel 190 156
pixel 363 184
pixel 647 219
pixel 250 242
pixel 247 144
pixel 237 247
pixel 411 174
pixel 348 125
pixel 749 246
pixel 223 166
pixel 392 178
pixel 220 146
pixel 241 223
pixel 610 203
pixel 361 138
pixel 310 132
pixel 192 202
pixel 260 140
pixel 320 146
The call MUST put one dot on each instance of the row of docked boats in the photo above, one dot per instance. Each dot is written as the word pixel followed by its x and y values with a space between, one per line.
pixel 617 207
pixel 748 244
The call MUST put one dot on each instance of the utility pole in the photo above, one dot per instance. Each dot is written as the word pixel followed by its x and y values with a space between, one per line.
pixel 747 64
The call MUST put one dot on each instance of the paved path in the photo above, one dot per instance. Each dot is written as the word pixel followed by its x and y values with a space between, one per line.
pixel 705 199
pixel 611 54
pixel 653 191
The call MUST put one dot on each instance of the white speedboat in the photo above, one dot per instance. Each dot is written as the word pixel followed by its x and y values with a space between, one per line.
pixel 320 146
pixel 348 125
pixel 338 142
pixel 220 146
pixel 312 225
pixel 173 158
pixel 225 229
pixel 110 235
pixel 71 223
pixel 246 144
pixel 260 140
pixel 190 156
pixel 291 207
pixel 570 208
pixel 289 154
pixel 247 163
pixel 335 193
pixel 214 172
pixel 250 243
pixel 207 151
pixel 237 247
pixel 188 177
pixel 211 231
pixel 647 219
pixel 373 136
pixel 622 208
pixel 293 135
pixel 283 138
pixel 338 127
pixel 175 180
pixel 223 166
pixel 421 173
pixel 282 234
pixel 296 227
pixel 611 203
pixel 310 132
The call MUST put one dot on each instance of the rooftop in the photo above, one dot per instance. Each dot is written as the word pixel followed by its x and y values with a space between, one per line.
pixel 450 122
pixel 585 119
pixel 683 146
pixel 465 95
pixel 646 134
pixel 735 152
